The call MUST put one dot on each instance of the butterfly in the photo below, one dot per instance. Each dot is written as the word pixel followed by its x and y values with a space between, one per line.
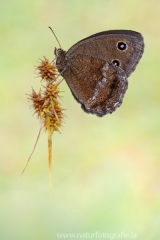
pixel 96 68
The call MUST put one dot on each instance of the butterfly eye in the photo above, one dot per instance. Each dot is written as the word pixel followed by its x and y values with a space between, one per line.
pixel 116 63
pixel 121 46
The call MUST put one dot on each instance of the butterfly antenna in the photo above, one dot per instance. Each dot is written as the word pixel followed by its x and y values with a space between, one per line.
pixel 55 36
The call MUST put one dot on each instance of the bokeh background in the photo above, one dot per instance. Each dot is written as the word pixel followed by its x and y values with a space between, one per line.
pixel 106 174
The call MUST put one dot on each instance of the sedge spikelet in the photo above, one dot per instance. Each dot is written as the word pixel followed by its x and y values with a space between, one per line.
pixel 46 70
pixel 46 104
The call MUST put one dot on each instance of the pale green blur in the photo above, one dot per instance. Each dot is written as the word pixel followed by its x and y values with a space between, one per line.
pixel 106 175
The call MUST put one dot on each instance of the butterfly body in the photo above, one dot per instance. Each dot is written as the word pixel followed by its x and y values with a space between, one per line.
pixel 97 67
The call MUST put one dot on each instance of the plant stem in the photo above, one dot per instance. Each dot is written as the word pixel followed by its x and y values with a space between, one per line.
pixel 49 151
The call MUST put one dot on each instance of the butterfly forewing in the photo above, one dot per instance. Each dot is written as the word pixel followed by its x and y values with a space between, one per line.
pixel 104 45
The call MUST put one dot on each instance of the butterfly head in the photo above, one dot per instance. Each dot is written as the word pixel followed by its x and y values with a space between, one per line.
pixel 60 59
pixel 58 51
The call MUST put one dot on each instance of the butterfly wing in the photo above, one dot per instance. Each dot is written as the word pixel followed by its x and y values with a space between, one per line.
pixel 96 84
pixel 122 47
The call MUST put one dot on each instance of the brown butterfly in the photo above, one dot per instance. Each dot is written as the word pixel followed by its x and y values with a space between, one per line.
pixel 96 68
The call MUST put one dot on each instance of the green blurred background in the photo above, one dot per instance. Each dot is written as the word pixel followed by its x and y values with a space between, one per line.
pixel 106 174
